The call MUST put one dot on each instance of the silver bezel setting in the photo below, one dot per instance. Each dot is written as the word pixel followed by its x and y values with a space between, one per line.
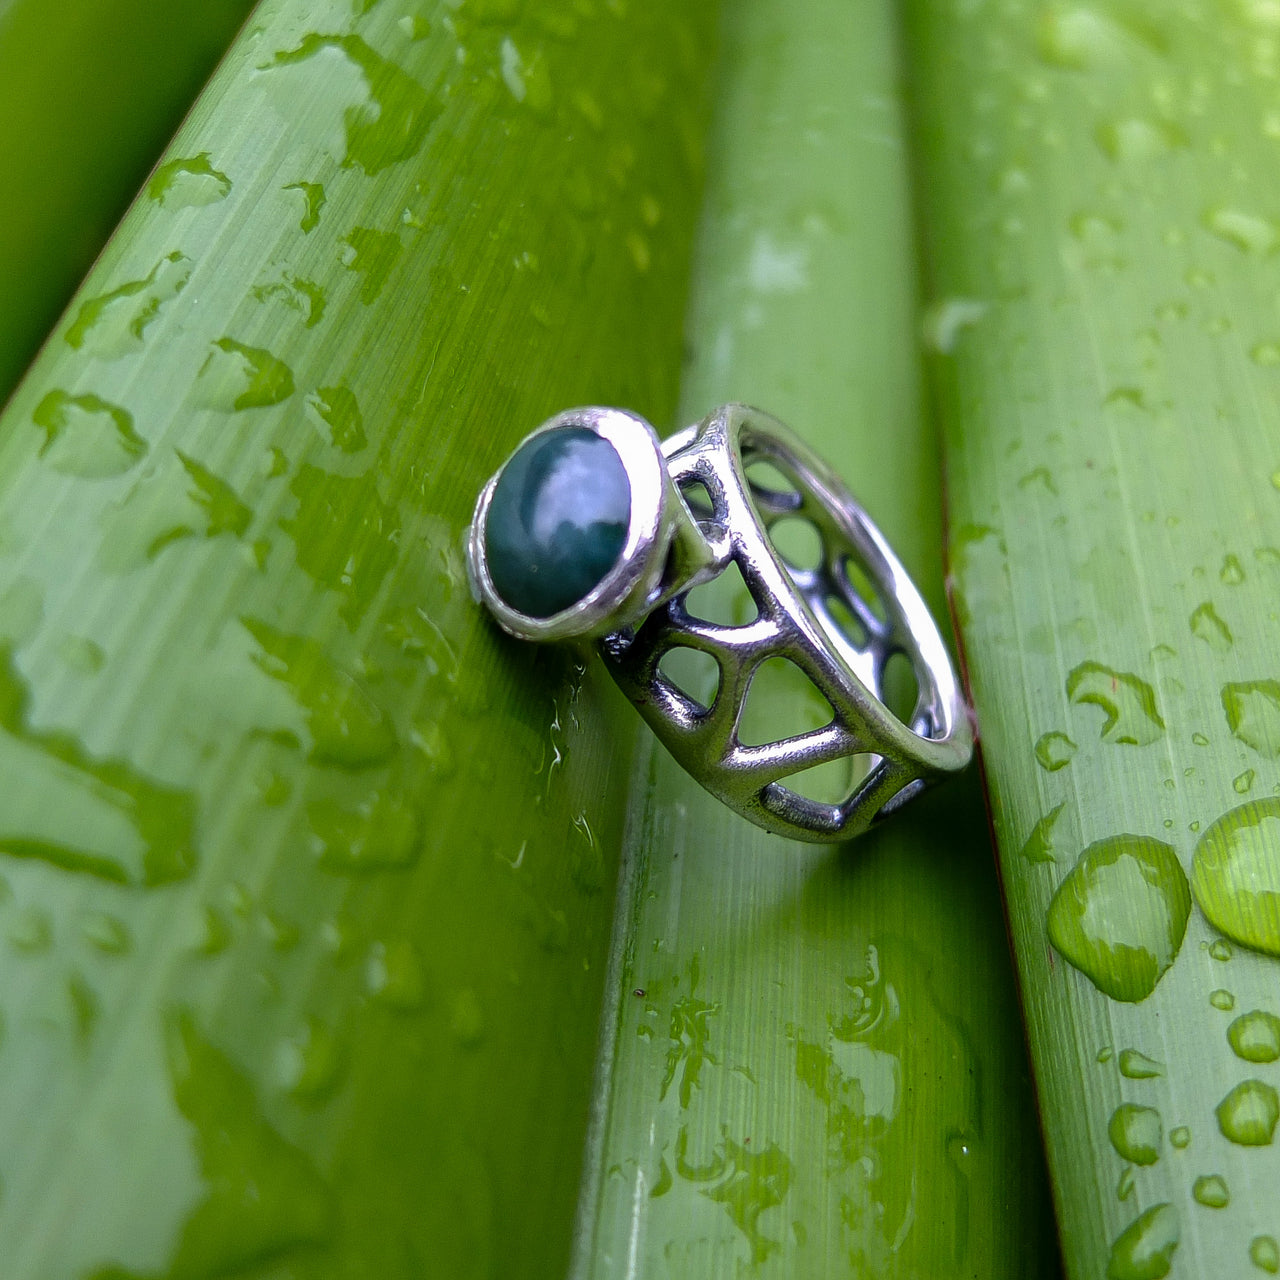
pixel 662 542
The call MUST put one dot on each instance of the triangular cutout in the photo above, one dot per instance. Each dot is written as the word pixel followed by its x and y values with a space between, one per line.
pixel 693 672
pixel 781 702
pixel 725 601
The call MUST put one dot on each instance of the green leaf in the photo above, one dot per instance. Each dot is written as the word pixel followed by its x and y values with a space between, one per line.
pixel 90 92
pixel 307 869
pixel 1099 198
pixel 813 1064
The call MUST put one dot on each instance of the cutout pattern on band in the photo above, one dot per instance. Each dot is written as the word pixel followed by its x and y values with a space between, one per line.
pixel 819 601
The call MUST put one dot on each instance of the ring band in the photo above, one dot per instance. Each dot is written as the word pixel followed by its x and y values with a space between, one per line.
pixel 594 528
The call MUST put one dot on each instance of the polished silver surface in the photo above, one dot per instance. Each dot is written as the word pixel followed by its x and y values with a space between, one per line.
pixel 840 616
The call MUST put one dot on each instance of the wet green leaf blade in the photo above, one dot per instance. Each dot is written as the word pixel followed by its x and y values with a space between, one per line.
pixel 815 1065
pixel 308 871
pixel 1098 193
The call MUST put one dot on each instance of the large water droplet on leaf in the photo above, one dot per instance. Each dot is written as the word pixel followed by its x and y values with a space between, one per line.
pixel 188 181
pixel 1253 713
pixel 1235 874
pixel 1248 1114
pixel 1144 1249
pixel 391 124
pixel 114 324
pixel 1120 914
pixel 1136 1133
pixel 1255 1036
pixel 1128 701
pixel 236 377
pixel 347 727
pixel 1211 1191
pixel 87 436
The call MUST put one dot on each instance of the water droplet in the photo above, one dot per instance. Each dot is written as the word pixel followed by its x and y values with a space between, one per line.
pixel 82 655
pixel 314 195
pixel 746 1182
pixel 1248 1114
pixel 1136 1133
pixel 181 499
pixel 106 933
pixel 87 436
pixel 274 789
pixel 1266 354
pixel 372 254
pixel 86 1008
pixel 344 535
pixel 1039 846
pixel 511 69
pixel 379 834
pixel 1264 1253
pixel 638 248
pixel 1222 1000
pixel 1077 38
pixel 188 181
pixel 281 934
pixel 303 296
pixel 1124 1186
pixel 1054 751
pixel 1235 874
pixel 1120 914
pixel 1180 1137
pixel 947 319
pixel 236 377
pixel 1127 398
pixel 1134 138
pixel 1253 714
pixel 1232 571
pixel 1255 1036
pixel 1220 949
pixel 347 727
pixel 1206 625
pixel 1106 1053
pixel 1242 783
pixel 414 26
pixel 309 1063
pixel 222 508
pixel 1246 231
pixel 30 931
pixel 1129 703
pixel 430 739
pixel 1137 1066
pixel 1144 1249
pixel 391 125
pixel 99 817
pixel 393 975
pixel 114 324
pixel 264 1198
pixel 1211 1191
pixel 214 935
pixel 337 407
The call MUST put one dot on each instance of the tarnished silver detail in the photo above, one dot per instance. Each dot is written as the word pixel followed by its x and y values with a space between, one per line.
pixel 840 622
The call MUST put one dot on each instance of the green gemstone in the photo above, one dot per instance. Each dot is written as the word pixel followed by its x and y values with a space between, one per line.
pixel 557 521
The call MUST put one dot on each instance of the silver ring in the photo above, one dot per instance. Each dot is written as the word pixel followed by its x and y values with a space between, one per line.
pixel 594 528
